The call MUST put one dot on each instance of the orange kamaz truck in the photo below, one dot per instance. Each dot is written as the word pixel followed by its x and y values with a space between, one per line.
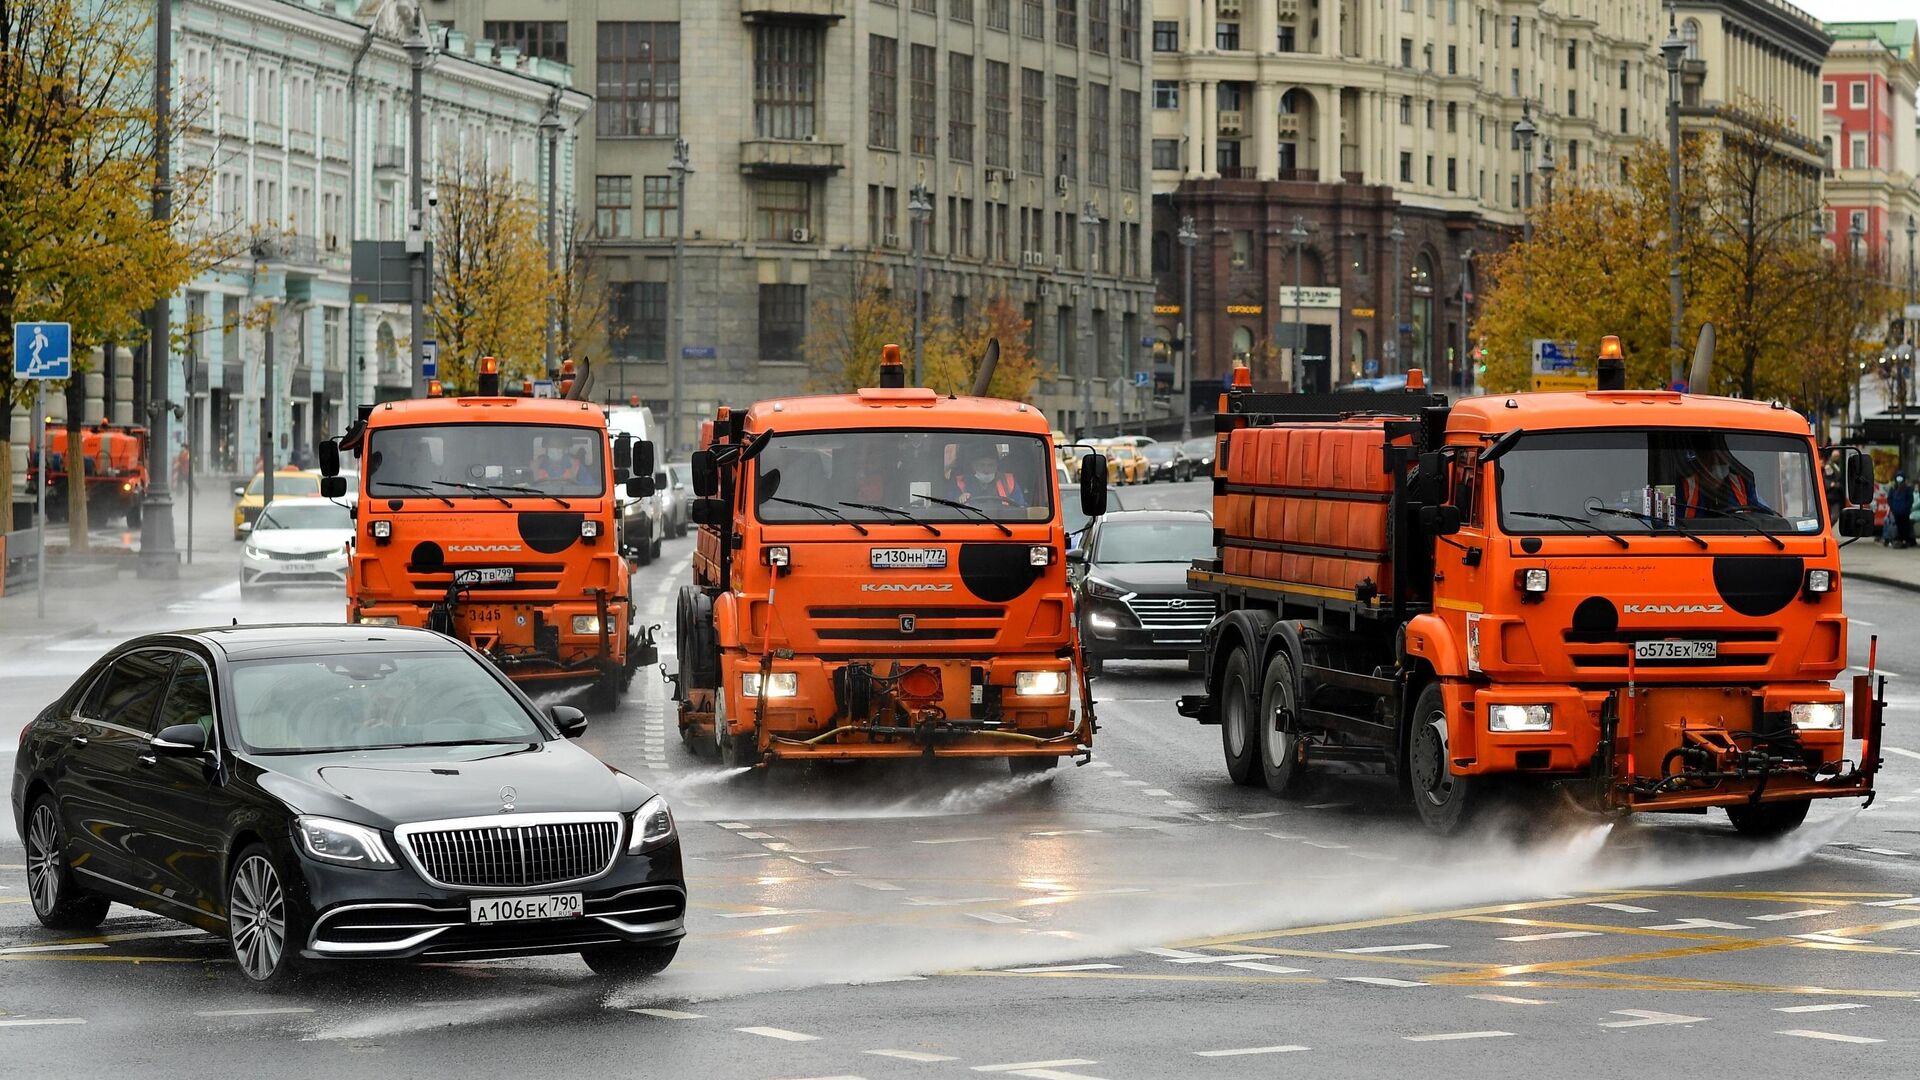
pixel 882 574
pixel 492 518
pixel 1631 596
pixel 116 460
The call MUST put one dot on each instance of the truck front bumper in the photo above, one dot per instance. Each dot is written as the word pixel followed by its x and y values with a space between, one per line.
pixel 559 642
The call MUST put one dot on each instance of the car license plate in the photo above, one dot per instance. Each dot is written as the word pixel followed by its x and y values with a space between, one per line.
pixel 483 575
pixel 1676 650
pixel 298 567
pixel 909 558
pixel 499 909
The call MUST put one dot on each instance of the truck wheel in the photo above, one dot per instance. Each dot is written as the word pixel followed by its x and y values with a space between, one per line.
pixel 1769 819
pixel 1446 803
pixel 1279 744
pixel 606 691
pixel 1239 735
pixel 133 514
pixel 740 751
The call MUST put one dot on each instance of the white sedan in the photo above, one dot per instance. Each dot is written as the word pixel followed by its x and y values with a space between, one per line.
pixel 299 541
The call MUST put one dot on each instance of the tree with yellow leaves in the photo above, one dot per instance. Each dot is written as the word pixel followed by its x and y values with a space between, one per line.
pixel 490 280
pixel 845 333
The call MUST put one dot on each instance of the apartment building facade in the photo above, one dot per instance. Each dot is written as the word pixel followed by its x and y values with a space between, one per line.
pixel 808 123
pixel 1869 141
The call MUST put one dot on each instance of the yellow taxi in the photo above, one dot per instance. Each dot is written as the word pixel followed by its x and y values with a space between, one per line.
pixel 1126 464
pixel 287 483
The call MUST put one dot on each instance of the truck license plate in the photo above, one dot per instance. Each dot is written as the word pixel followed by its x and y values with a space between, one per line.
pixel 1676 650
pixel 483 575
pixel 499 909
pixel 909 558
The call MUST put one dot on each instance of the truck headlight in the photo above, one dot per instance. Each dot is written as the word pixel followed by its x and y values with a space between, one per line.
pixel 379 620
pixel 1532 581
pixel 381 530
pixel 1815 716
pixel 1819 581
pixel 586 624
pixel 652 826
pixel 589 529
pixel 1040 683
pixel 343 842
pixel 1520 717
pixel 1040 555
pixel 779 555
pixel 781 684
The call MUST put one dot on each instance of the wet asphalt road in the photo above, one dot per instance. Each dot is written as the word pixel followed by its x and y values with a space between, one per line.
pixel 1138 917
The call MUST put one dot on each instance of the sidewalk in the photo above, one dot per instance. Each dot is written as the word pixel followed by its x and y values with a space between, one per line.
pixel 1868 561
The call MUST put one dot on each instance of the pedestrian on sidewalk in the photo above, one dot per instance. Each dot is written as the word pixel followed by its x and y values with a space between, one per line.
pixel 1900 510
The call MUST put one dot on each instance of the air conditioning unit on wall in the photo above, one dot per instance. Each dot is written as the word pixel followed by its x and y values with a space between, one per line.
pixel 802 235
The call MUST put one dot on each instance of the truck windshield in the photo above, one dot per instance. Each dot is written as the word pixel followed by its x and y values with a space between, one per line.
pixel 938 476
pixel 1636 481
pixel 485 461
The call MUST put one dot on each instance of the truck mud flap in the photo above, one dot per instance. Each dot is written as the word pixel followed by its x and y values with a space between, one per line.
pixel 1197 707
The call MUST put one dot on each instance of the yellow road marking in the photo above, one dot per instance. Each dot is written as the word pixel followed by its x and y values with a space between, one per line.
pixel 1420 917
pixel 1129 976
pixel 111 959
pixel 13 899
pixel 1633 931
pixel 1372 958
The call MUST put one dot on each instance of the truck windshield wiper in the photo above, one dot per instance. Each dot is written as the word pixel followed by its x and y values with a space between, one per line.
pixel 525 490
pixel 1570 520
pixel 895 511
pixel 817 508
pixel 983 515
pixel 1651 520
pixel 417 487
pixel 476 488
pixel 1754 525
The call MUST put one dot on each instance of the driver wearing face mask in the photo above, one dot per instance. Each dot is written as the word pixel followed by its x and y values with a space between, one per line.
pixel 555 464
pixel 1715 485
pixel 981 480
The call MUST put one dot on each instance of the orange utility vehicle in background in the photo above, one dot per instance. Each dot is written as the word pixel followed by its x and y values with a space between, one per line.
pixel 1632 595
pixel 492 519
pixel 116 457
pixel 882 574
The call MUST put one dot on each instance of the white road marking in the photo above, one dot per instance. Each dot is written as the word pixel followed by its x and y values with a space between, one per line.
pixel 880 886
pixel 1067 832
pixel 910 1055
pixel 1699 924
pixel 1455 1036
pixel 1392 948
pixel 1649 1018
pixel 1901 752
pixel 756 835
pixel 1019 1066
pixel 1063 967
pixel 1553 937
pixel 1804 913
pixel 731 825
pixel 1250 1050
pixel 769 913
pixel 1158 793
pixel 1052 1074
pixel 1829 1036
pixel 1839 1006
pixel 1628 908
pixel 1833 939
pixel 956 840
pixel 1505 1000
pixel 1326 806
pixel 1324 847
pixel 42 1022
pixel 778 1033
pixel 1862 622
pixel 1181 804
pixel 1173 954
pixel 1373 980
pixel 1206 958
pixel 993 917
pixel 669 1014
pixel 922 901
pixel 1883 851
pixel 1260 815
pixel 1271 969
pixel 1894 903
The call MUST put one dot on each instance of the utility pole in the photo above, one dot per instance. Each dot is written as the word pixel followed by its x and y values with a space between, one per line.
pixel 919 212
pixel 1298 234
pixel 1856 234
pixel 416 46
pixel 159 560
pixel 269 402
pixel 1674 50
pixel 1906 338
pixel 681 168
pixel 1526 131
pixel 1092 221
pixel 1398 235
pixel 1189 238
pixel 1547 168
pixel 550 131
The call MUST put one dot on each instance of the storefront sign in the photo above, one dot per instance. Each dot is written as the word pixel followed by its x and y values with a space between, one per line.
pixel 1243 309
pixel 1311 296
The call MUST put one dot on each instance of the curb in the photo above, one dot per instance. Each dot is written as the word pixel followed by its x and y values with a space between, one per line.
pixel 1882 579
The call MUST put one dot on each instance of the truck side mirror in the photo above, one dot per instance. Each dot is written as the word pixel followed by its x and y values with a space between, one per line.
pixel 644 458
pixel 639 487
pixel 333 487
pixel 1857 521
pixel 329 454
pixel 1442 520
pixel 1859 479
pixel 622 456
pixel 661 482
pixel 1093 485
pixel 709 512
pixel 706 474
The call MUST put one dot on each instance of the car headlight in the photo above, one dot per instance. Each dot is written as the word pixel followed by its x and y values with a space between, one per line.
pixel 1520 718
pixel 254 553
pixel 1106 590
pixel 1103 622
pixel 781 684
pixel 343 842
pixel 379 620
pixel 586 624
pixel 1039 683
pixel 652 826
pixel 1815 716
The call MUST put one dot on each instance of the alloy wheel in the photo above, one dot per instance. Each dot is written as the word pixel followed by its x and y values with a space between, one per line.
pixel 257 918
pixel 44 864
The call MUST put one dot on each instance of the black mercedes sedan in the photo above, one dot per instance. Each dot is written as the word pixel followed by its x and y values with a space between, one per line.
pixel 325 793
pixel 1130 579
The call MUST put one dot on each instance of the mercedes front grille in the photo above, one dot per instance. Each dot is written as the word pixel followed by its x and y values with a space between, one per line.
pixel 521 852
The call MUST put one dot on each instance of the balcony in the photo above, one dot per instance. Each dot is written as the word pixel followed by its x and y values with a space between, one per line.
pixel 825 11
pixel 299 251
pixel 300 142
pixel 389 157
pixel 791 157
pixel 267 134
pixel 334 149
pixel 1231 122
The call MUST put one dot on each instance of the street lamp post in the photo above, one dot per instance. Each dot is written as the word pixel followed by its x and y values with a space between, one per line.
pixel 1189 239
pixel 1547 168
pixel 920 210
pixel 416 46
pixel 1088 352
pixel 550 131
pixel 1673 49
pixel 1906 338
pixel 1460 362
pixel 1856 234
pixel 1526 131
pixel 158 557
pixel 1298 234
pixel 1398 235
pixel 681 168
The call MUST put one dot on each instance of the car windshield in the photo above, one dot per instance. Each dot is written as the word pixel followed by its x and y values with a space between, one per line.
pixel 316 515
pixel 1169 541
pixel 1158 452
pixel 1637 481
pixel 286 484
pixel 365 701
pixel 875 477
pixel 485 461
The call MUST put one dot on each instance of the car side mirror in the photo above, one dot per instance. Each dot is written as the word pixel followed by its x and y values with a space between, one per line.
pixel 246 526
pixel 240 491
pixel 1093 485
pixel 329 454
pixel 639 487
pixel 1857 521
pixel 706 474
pixel 710 512
pixel 333 487
pixel 179 740
pixel 1077 556
pixel 1442 520
pixel 571 721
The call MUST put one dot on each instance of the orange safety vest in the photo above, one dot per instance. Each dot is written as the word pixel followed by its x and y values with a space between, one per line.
pixel 1739 492
pixel 1005 486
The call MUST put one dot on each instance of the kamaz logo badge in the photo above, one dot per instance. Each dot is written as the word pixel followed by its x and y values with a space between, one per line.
pixel 908 623
pixel 483 547
pixel 907 587
pixel 1672 609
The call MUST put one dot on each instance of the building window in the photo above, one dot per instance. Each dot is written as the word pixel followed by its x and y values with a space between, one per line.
pixel 998 117
pixel 660 207
pixel 1689 33
pixel 783 321
pixel 1033 122
pixel 1226 36
pixel 960 107
pixel 1099 134
pixel 1453 174
pixel 1406 167
pixel 1573 155
pixel 921 99
pixel 1166 35
pixel 613 206
pixel 1429 180
pixel 1429 108
pixel 1623 74
pixel 1099 27
pixel 638 82
pixel 1130 177
pixel 782 210
pixel 1242 254
pixel 1826 94
pixel 960 10
pixel 926 7
pixel 786 66
pixel 639 316
pixel 1513 31
pixel 1066 22
pixel 1033 19
pixel 1166 94
pixel 1406 52
pixel 547 40
pixel 1857 153
pixel 1623 119
pixel 883 92
pixel 1859 94
pixel 1129 29
pixel 1066 124
pixel 1573 103
pixel 998 12
pixel 1573 55
pixel 1453 60
pixel 1286 39
pixel 1226 156
pixel 1406 110
pixel 1453 117
pixel 1166 153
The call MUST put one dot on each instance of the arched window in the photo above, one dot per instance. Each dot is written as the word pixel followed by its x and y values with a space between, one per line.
pixel 388 348
pixel 1690 33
